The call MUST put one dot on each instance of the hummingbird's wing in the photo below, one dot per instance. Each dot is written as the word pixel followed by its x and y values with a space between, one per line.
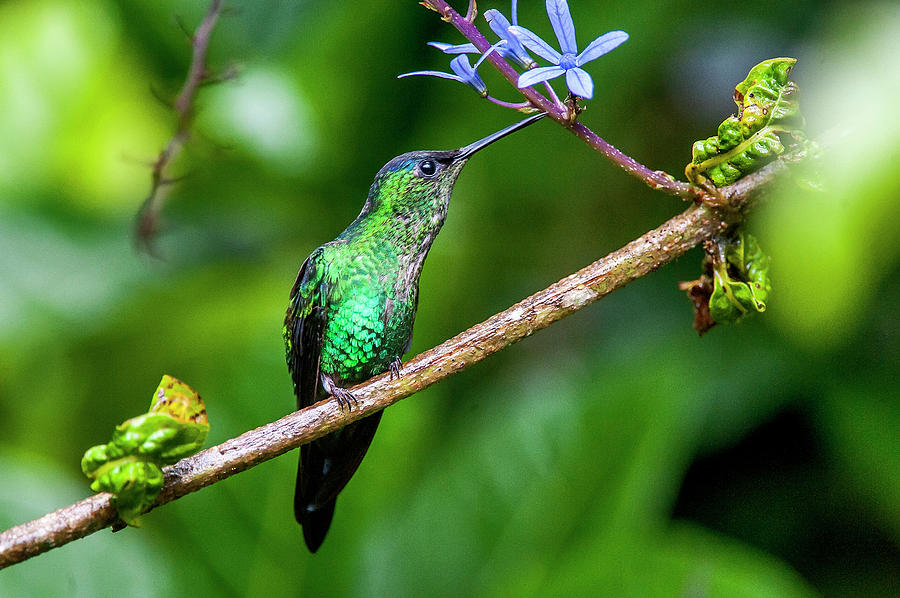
pixel 304 326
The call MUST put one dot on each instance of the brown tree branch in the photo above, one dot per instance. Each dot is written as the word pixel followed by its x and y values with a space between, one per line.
pixel 148 215
pixel 638 258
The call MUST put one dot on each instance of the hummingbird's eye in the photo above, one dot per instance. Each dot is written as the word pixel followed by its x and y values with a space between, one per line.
pixel 428 168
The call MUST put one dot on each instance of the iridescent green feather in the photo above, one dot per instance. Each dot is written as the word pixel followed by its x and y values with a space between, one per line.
pixel 360 334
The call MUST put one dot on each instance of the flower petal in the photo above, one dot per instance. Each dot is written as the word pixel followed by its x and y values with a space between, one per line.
pixel 451 49
pixel 440 74
pixel 463 69
pixel 580 83
pixel 499 47
pixel 563 27
pixel 477 84
pixel 462 72
pixel 538 75
pixel 535 44
pixel 513 49
pixel 497 22
pixel 600 46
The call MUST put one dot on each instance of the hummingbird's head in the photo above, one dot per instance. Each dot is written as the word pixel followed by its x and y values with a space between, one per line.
pixel 415 182
pixel 419 183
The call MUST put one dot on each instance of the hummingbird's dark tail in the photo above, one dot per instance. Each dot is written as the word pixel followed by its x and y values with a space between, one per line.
pixel 326 465
pixel 315 522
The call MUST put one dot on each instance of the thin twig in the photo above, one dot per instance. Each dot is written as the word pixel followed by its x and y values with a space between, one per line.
pixel 640 257
pixel 655 179
pixel 148 215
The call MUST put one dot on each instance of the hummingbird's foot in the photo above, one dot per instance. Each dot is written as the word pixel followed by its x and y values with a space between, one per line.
pixel 346 399
pixel 395 368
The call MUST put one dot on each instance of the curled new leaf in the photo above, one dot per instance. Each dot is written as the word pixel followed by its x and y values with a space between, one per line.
pixel 768 110
pixel 741 282
pixel 136 484
pixel 130 465
pixel 171 442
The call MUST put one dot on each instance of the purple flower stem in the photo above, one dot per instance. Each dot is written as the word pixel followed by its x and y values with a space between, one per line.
pixel 553 95
pixel 518 106
pixel 656 179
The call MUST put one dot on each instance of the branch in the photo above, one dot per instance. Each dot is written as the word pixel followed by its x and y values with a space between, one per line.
pixel 656 179
pixel 640 257
pixel 148 215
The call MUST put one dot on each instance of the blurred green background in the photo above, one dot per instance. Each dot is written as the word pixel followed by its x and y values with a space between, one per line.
pixel 614 454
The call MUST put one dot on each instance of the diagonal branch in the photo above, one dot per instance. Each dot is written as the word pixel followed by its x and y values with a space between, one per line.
pixel 148 215
pixel 638 258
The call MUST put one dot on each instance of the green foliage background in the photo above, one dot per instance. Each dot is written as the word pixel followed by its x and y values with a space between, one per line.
pixel 613 454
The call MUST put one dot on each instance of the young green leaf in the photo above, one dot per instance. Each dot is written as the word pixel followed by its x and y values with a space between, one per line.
pixel 741 282
pixel 136 484
pixel 130 466
pixel 768 110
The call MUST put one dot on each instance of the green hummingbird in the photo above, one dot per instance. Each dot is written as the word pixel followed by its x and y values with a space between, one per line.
pixel 352 311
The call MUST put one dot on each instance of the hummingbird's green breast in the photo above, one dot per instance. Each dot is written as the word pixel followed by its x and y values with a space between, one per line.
pixel 370 309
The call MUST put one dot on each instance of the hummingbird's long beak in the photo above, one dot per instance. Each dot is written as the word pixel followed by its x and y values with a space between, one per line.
pixel 465 152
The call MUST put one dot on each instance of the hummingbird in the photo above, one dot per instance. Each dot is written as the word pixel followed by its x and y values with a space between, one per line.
pixel 352 310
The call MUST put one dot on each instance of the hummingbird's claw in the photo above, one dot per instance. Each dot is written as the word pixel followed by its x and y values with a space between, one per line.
pixel 395 368
pixel 346 399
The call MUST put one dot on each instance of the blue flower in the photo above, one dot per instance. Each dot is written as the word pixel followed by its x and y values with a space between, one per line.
pixel 513 49
pixel 568 62
pixel 463 72
pixel 510 49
